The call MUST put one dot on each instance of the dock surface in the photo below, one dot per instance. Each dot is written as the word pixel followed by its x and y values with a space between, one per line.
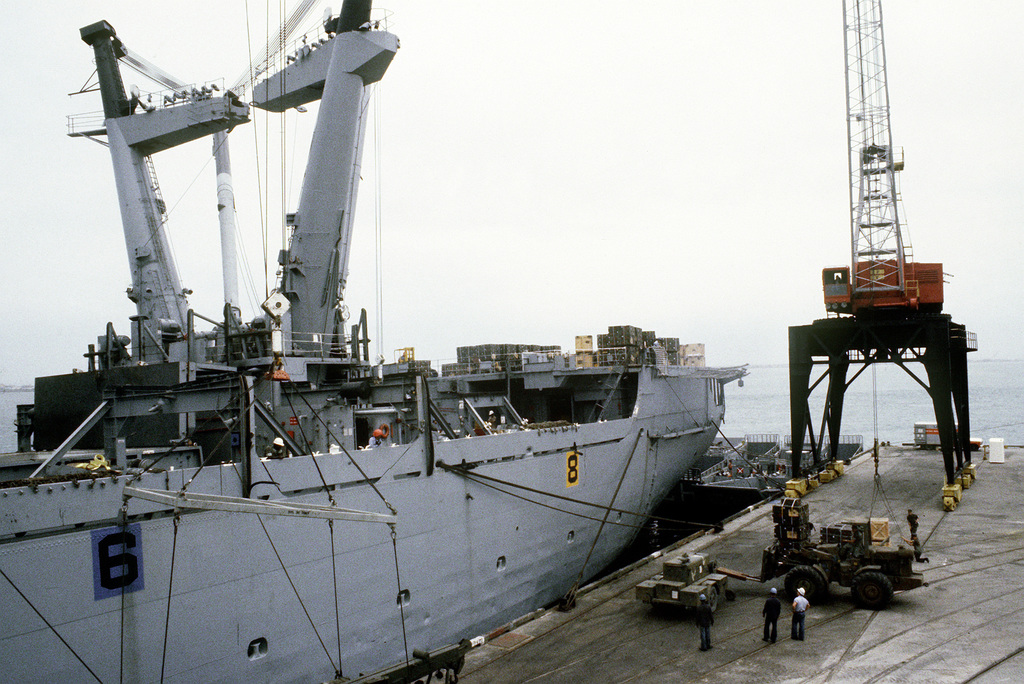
pixel 966 625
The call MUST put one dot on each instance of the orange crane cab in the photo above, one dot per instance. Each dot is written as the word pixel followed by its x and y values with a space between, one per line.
pixel 881 289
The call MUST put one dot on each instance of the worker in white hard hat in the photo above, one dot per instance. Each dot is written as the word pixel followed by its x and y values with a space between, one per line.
pixel 800 606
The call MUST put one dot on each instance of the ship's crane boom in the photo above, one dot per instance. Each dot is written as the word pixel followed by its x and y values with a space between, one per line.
pixel 135 130
pixel 883 275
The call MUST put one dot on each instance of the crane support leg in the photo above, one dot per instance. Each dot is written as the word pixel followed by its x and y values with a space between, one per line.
pixel 800 366
pixel 900 338
pixel 837 369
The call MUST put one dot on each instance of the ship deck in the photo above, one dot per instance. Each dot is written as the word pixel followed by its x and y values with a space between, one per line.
pixel 967 624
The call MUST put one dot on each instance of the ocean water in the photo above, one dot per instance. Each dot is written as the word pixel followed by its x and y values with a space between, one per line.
pixel 885 402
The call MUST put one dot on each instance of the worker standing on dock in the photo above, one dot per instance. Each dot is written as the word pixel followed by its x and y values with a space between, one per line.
pixel 771 610
pixel 705 618
pixel 800 606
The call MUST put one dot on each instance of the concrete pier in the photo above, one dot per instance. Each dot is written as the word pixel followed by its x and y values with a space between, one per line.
pixel 966 625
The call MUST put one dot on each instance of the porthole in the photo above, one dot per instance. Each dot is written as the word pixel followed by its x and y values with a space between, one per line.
pixel 404 597
pixel 258 648
pixel 571 536
pixel 501 563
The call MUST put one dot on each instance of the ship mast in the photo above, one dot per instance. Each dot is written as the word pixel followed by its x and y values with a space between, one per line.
pixel 336 70
pixel 162 304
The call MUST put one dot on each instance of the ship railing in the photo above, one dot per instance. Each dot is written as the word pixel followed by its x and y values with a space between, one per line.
pixel 174 97
pixel 85 124
pixel 317 345
pixel 256 343
pixel 849 446
pixel 296 49
pixel 484 362
pixel 766 444
pixel 481 360
pixel 245 344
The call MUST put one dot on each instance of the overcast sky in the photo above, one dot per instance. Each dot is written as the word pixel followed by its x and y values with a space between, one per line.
pixel 548 169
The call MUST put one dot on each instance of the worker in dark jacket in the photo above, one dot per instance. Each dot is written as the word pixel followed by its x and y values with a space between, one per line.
pixel 705 618
pixel 771 610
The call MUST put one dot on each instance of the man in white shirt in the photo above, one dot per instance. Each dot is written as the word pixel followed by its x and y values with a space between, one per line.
pixel 800 606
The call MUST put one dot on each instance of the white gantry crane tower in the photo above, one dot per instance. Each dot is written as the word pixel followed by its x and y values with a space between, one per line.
pixel 880 249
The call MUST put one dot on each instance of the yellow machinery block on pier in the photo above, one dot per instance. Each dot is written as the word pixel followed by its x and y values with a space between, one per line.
pixel 951 495
pixel 796 488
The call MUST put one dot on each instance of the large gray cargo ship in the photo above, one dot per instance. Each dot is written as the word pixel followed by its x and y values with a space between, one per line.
pixel 262 502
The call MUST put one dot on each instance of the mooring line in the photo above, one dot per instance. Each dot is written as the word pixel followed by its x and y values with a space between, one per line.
pixel 480 479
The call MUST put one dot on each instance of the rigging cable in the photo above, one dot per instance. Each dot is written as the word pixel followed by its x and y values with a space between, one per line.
pixel 345 451
pixel 401 600
pixel 879 490
pixel 283 129
pixel 124 573
pixel 337 608
pixel 284 568
pixel 569 600
pixel 302 432
pixel 170 588
pixel 52 628
pixel 256 150
pixel 482 480
pixel 718 429
pixel 378 220
pixel 295 589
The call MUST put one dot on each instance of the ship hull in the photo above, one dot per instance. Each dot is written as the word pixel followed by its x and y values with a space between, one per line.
pixel 264 598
